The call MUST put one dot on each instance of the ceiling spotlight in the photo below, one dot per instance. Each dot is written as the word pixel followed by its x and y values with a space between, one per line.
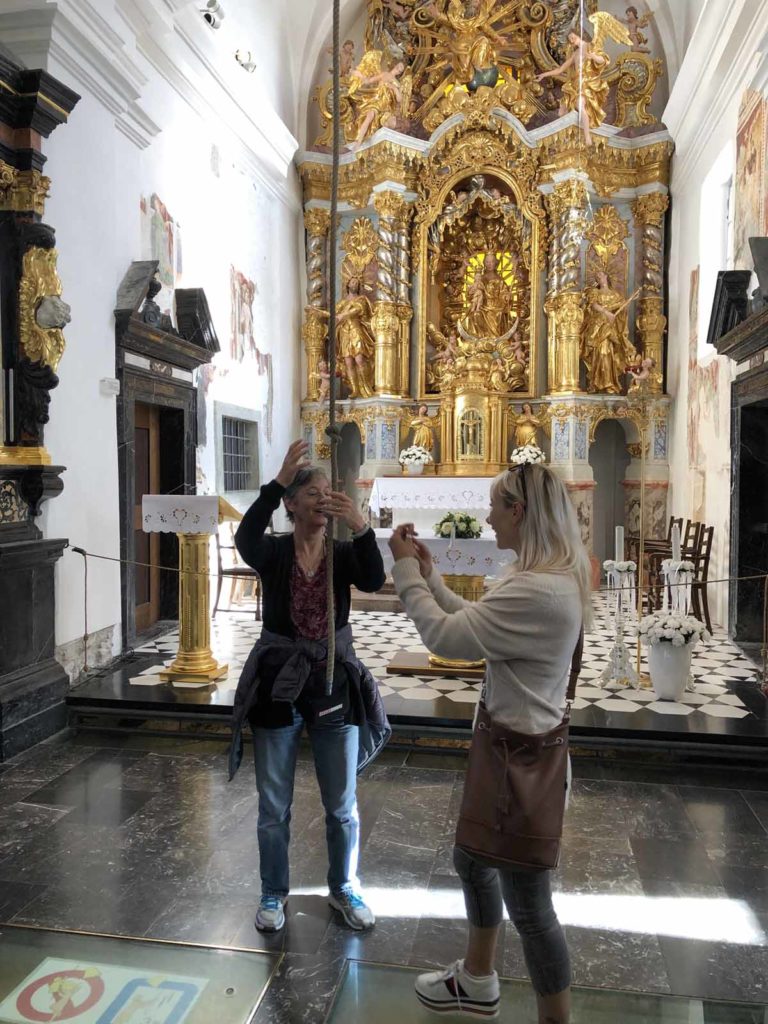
pixel 245 59
pixel 213 13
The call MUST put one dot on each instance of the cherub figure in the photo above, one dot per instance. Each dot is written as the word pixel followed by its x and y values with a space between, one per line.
pixel 640 373
pixel 441 366
pixel 346 58
pixel 584 87
pixel 634 23
pixel 381 98
pixel 323 375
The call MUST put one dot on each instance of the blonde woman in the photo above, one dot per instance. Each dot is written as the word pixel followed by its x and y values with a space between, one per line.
pixel 526 628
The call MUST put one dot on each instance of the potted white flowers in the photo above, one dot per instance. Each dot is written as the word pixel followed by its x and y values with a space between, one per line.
pixel 671 638
pixel 458 524
pixel 530 453
pixel 414 459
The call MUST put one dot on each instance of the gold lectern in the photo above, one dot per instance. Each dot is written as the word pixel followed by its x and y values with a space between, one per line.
pixel 193 519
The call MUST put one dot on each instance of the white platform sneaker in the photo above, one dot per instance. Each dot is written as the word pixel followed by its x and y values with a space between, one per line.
pixel 456 991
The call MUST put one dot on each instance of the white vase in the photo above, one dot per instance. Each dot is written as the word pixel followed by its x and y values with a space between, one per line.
pixel 670 669
pixel 414 468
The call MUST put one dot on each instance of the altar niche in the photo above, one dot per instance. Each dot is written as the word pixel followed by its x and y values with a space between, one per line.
pixel 477 314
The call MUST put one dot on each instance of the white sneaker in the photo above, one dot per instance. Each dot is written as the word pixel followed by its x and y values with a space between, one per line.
pixel 270 916
pixel 456 991
pixel 352 908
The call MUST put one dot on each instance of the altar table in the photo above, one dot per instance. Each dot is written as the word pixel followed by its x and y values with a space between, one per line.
pixel 423 500
pixel 480 557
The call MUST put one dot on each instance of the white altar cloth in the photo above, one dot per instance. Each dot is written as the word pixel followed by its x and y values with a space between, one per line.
pixel 439 493
pixel 479 557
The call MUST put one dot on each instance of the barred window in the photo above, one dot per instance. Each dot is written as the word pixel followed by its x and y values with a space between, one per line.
pixel 238 441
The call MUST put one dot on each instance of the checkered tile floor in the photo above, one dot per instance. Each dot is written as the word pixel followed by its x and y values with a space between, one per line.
pixel 378 635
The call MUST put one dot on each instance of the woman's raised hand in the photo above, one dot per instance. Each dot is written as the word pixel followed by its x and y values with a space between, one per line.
pixel 295 459
pixel 424 556
pixel 341 506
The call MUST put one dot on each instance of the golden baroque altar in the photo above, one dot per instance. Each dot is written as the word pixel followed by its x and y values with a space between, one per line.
pixel 503 196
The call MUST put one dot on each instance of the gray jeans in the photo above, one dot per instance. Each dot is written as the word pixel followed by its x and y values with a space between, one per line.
pixel 528 899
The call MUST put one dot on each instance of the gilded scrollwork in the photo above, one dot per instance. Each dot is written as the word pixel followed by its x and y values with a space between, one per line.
pixel 40 281
pixel 23 191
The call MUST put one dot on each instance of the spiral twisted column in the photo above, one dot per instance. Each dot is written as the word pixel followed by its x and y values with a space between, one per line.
pixel 564 303
pixel 649 212
pixel 392 312
pixel 317 223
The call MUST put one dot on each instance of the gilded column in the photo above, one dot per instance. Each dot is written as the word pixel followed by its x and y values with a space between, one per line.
pixel 404 307
pixel 564 303
pixel 649 211
pixel 387 320
pixel 317 222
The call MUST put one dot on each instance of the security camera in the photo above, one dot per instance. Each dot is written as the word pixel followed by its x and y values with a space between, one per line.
pixel 213 13
pixel 245 59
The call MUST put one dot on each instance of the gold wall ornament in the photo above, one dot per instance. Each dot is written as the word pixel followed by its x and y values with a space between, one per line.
pixel 323 96
pixel 314 334
pixel 636 76
pixel 651 208
pixel 317 221
pixel 23 191
pixel 38 281
pixel 606 233
pixel 393 206
pixel 359 244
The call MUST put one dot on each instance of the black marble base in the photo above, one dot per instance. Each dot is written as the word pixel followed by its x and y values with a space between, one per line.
pixel 32 683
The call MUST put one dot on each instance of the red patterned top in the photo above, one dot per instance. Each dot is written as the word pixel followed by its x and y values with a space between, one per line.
pixel 309 602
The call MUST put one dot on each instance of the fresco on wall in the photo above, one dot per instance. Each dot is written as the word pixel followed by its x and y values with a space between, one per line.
pixel 243 291
pixel 693 363
pixel 750 164
pixel 161 241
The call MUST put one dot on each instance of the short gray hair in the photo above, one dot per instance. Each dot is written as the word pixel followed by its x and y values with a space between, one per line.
pixel 302 479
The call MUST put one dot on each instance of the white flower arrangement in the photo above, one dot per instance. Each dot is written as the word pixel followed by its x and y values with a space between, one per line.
pixel 529 453
pixel 458 524
pixel 414 454
pixel 671 627
pixel 610 566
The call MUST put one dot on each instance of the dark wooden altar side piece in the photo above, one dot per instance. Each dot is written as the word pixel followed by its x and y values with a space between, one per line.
pixel 155 365
pixel 747 345
pixel 730 305
pixel 33 684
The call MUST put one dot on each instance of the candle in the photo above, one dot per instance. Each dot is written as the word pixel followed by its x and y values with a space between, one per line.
pixel 619 543
pixel 675 543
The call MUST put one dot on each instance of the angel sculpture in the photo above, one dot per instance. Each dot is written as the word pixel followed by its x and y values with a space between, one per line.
pixel 380 94
pixel 634 23
pixel 441 367
pixel 423 429
pixel 584 87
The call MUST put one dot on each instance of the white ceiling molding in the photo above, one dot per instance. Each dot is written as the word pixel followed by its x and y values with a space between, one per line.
pixel 178 45
pixel 720 62
pixel 74 36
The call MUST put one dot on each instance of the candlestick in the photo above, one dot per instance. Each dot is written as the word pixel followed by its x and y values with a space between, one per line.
pixel 619 543
pixel 675 543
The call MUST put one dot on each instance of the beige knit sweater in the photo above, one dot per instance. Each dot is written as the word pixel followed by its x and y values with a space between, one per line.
pixel 526 627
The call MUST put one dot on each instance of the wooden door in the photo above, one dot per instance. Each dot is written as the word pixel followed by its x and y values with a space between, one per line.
pixel 146 545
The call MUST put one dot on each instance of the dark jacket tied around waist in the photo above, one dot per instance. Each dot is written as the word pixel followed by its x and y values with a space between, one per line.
pixel 285 670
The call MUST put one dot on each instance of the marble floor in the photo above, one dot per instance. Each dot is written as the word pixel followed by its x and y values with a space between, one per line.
pixel 724 705
pixel 663 886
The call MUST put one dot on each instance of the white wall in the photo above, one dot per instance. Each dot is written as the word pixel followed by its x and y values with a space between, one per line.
pixel 154 103
pixel 723 53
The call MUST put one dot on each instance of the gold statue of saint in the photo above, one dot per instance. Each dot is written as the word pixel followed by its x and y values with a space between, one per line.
pixel 379 94
pixel 422 426
pixel 490 302
pixel 584 87
pixel 605 344
pixel 527 426
pixel 465 32
pixel 355 340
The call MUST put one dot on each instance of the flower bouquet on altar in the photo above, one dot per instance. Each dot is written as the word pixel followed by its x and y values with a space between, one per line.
pixel 458 525
pixel 671 638
pixel 414 459
pixel 528 453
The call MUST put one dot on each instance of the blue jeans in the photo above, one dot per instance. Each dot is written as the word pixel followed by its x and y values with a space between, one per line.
pixel 334 746
pixel 528 898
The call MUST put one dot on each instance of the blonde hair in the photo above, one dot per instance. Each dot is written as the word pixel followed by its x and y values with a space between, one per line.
pixel 550 537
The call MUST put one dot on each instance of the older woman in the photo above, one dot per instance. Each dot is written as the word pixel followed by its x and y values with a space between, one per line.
pixel 526 628
pixel 283 685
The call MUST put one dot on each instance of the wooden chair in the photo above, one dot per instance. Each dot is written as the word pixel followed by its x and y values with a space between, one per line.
pixel 237 573
pixel 699 596
pixel 653 543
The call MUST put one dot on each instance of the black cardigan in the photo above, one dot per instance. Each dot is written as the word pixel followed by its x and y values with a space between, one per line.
pixel 355 563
